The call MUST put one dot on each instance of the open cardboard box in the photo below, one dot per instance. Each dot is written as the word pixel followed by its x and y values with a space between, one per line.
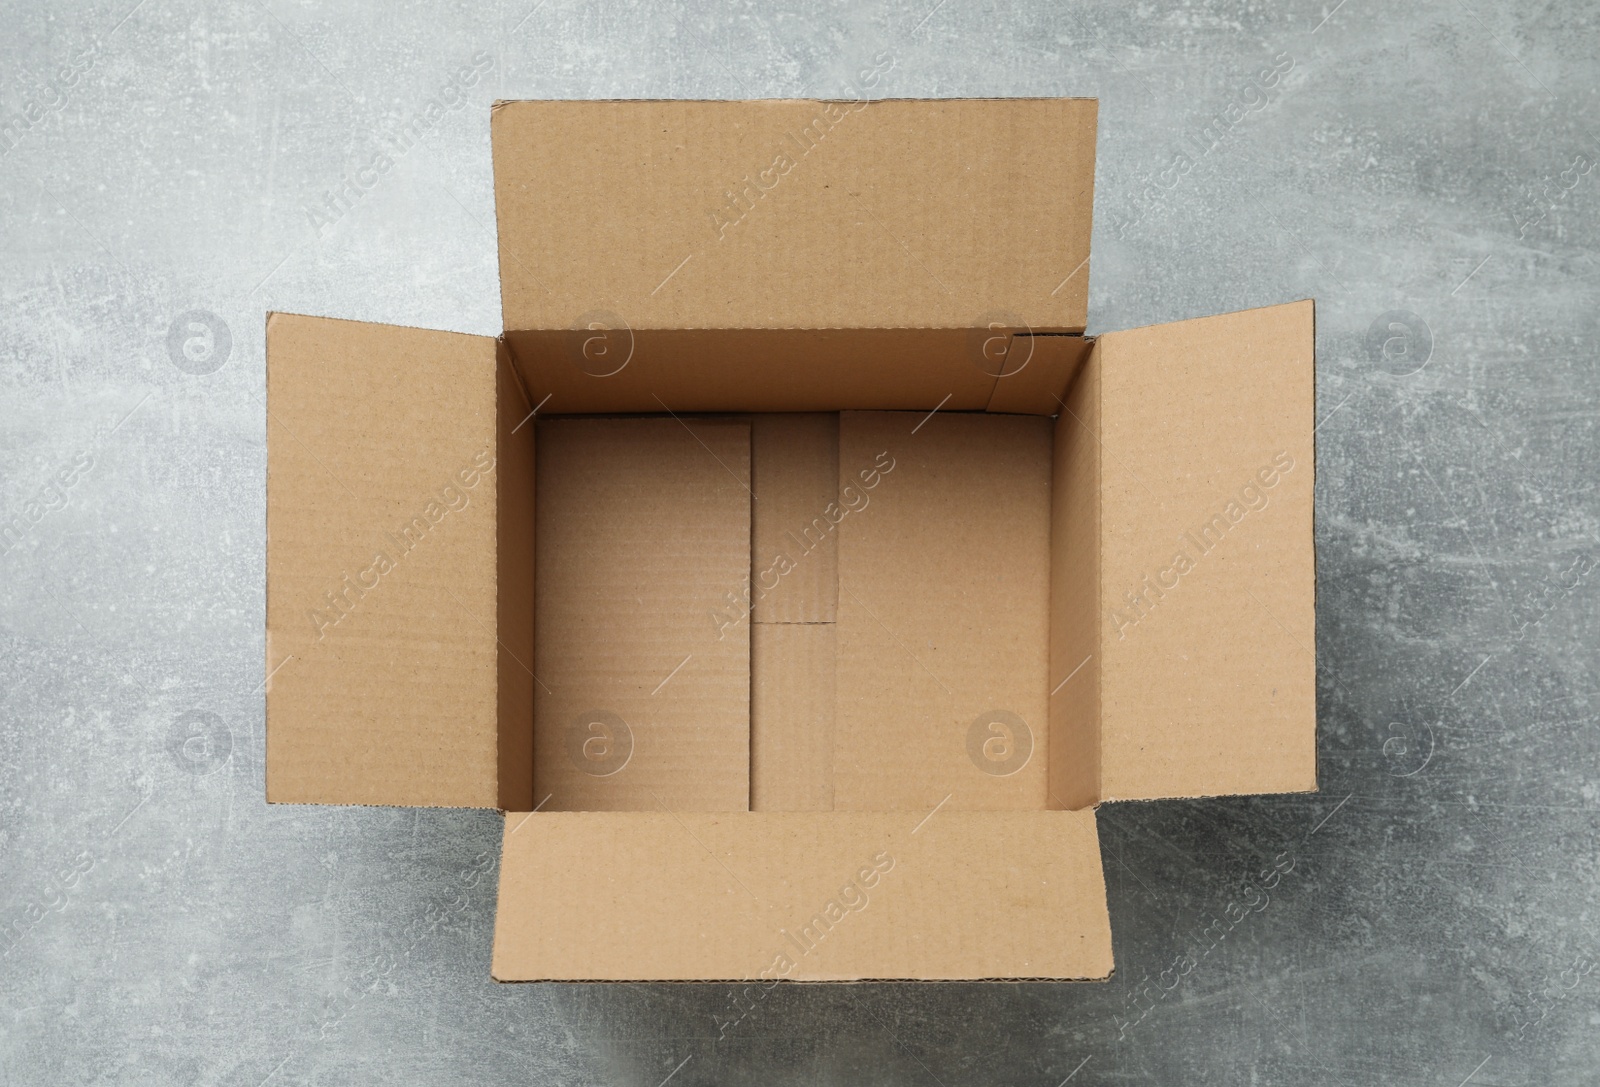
pixel 793 572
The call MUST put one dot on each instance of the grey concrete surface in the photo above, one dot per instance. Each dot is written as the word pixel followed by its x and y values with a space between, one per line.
pixel 1422 170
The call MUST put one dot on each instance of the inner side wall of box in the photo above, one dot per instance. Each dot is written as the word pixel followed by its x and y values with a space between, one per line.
pixel 1071 740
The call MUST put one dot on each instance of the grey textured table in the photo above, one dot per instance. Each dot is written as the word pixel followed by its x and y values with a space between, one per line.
pixel 1423 171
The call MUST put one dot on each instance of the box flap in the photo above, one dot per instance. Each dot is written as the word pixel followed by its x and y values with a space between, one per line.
pixel 948 213
pixel 807 896
pixel 1207 571
pixel 381 586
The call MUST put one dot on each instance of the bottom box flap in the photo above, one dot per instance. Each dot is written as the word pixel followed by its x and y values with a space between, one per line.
pixel 803 896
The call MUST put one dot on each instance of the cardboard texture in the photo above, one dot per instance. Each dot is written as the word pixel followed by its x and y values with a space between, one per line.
pixel 1075 578
pixel 794 580
pixel 755 370
pixel 1205 523
pixel 943 613
pixel 381 587
pixel 794 214
pixel 514 582
pixel 801 896
pixel 644 700
pixel 1034 373
pixel 792 570
pixel 791 716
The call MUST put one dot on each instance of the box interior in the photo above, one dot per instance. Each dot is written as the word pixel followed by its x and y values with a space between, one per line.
pixel 792 612
pixel 798 610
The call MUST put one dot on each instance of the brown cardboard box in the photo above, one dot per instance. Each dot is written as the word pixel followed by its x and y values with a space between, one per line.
pixel 793 572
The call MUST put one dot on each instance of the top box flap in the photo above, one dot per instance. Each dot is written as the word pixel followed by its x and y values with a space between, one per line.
pixel 1208 572
pixel 381 586
pixel 954 213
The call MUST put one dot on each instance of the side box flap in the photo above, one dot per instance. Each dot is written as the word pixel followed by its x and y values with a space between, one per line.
pixel 795 214
pixel 803 896
pixel 1208 573
pixel 381 547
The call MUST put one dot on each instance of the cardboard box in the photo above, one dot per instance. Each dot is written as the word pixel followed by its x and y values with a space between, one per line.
pixel 793 572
